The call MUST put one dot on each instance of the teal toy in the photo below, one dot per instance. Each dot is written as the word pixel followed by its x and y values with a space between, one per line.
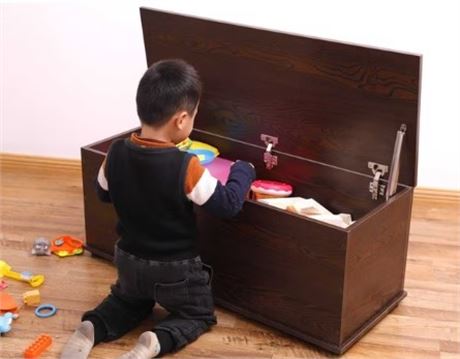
pixel 205 153
pixel 5 322
pixel 205 156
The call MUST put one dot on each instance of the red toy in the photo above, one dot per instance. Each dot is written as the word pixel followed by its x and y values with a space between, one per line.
pixel 270 189
pixel 7 303
pixel 65 246
pixel 38 346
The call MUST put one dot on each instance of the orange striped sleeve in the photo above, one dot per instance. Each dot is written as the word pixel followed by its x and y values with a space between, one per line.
pixel 194 172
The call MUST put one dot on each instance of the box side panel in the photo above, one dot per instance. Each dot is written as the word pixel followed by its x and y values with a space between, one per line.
pixel 100 217
pixel 376 262
pixel 103 145
pixel 281 269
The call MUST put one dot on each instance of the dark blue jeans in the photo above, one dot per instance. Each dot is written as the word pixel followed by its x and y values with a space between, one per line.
pixel 181 287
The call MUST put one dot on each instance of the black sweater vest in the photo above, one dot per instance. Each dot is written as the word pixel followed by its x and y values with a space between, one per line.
pixel 146 186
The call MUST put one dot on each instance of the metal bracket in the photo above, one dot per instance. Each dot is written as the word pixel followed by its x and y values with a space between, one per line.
pixel 269 159
pixel 377 189
pixel 395 162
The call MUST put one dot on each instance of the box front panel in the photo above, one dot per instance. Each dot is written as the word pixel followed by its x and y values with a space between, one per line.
pixel 376 262
pixel 271 265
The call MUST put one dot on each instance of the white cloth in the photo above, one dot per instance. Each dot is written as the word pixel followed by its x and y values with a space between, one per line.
pixel 310 208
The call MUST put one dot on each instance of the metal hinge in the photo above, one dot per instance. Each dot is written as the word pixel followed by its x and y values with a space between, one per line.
pixel 270 159
pixel 375 187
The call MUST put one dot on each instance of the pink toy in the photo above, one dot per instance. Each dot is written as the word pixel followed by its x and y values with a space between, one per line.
pixel 3 284
pixel 220 169
pixel 270 189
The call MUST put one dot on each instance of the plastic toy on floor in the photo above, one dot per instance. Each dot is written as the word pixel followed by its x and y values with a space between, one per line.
pixel 33 280
pixel 65 246
pixel 3 284
pixel 31 297
pixel 5 322
pixel 8 303
pixel 40 344
pixel 41 247
pixel 45 311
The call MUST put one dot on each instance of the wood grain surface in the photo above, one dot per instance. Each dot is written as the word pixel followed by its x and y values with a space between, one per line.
pixel 335 103
pixel 274 266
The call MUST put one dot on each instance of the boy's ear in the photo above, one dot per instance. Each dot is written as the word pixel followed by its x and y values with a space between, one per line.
pixel 180 119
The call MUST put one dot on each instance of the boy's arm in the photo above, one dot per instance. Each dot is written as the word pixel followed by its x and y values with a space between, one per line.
pixel 206 191
pixel 102 186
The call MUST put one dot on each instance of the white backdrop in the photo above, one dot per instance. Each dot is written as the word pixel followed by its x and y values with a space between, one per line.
pixel 70 69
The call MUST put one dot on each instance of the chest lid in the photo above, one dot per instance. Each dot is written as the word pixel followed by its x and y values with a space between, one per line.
pixel 325 101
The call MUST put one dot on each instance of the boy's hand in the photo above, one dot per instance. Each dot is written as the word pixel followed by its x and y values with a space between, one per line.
pixel 249 163
pixel 226 201
pixel 248 193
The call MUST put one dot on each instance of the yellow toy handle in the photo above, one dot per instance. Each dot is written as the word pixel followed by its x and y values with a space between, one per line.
pixel 37 280
pixel 13 275
pixel 33 280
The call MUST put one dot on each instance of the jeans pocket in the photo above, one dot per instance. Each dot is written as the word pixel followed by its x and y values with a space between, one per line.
pixel 210 272
pixel 172 295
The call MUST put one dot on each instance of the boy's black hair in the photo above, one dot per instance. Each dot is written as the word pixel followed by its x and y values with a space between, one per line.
pixel 167 86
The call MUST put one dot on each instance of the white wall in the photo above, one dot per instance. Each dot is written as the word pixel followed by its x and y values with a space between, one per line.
pixel 70 68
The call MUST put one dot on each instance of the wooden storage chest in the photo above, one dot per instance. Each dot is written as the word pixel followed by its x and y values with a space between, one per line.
pixel 334 110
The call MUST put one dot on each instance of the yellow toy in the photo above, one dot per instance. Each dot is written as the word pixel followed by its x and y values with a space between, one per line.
pixel 185 144
pixel 33 280
pixel 32 297
pixel 205 153
pixel 65 246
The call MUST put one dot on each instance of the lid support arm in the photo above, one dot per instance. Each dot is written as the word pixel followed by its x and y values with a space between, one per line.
pixel 395 163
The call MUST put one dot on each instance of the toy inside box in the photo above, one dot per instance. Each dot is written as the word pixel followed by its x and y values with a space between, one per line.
pixel 338 122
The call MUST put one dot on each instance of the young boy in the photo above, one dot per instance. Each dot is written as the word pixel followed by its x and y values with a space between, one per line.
pixel 153 186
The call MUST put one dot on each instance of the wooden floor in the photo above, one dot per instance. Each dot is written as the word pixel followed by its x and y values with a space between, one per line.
pixel 47 201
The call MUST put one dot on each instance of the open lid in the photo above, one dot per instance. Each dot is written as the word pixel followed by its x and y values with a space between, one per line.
pixel 330 102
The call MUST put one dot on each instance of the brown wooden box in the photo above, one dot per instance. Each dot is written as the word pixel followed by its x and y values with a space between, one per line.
pixel 334 108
